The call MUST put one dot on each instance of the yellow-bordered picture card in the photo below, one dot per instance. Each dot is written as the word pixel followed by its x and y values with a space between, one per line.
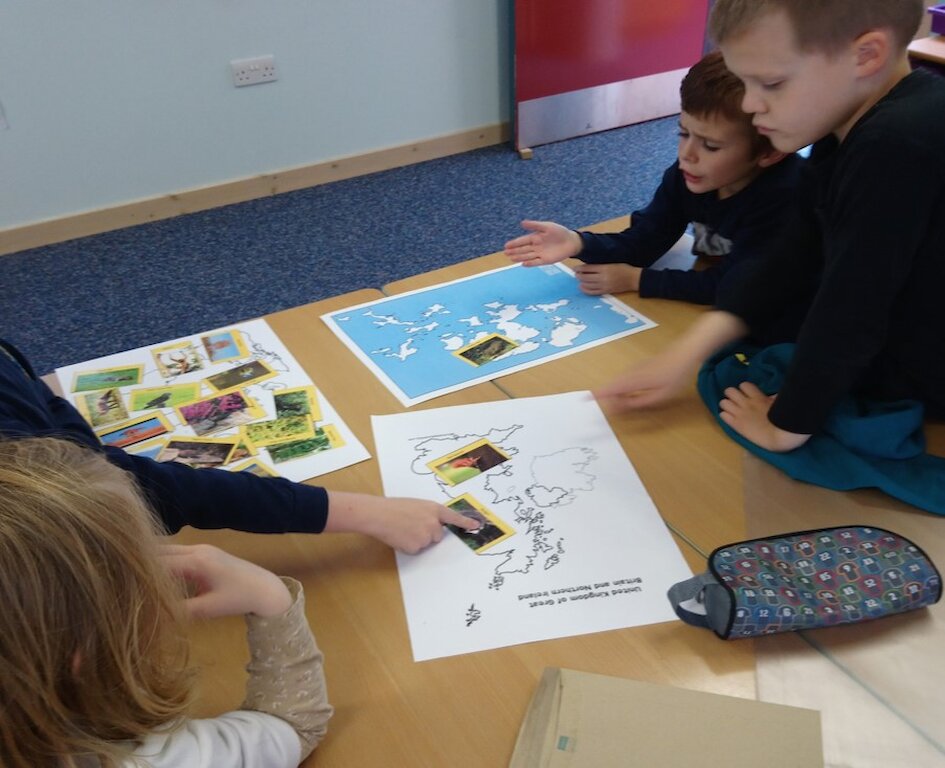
pixel 467 462
pixel 199 452
pixel 102 407
pixel 152 398
pixel 263 433
pixel 224 345
pixel 486 349
pixel 220 412
pixel 108 378
pixel 325 438
pixel 255 467
pixel 241 376
pixel 149 448
pixel 491 529
pixel 177 359
pixel 298 401
pixel 135 431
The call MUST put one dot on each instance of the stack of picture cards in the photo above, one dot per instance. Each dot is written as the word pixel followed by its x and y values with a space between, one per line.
pixel 231 398
pixel 582 720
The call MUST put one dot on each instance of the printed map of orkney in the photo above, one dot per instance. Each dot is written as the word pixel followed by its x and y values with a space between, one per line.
pixel 410 339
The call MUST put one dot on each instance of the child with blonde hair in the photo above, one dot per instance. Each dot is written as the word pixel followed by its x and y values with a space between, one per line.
pixel 869 224
pixel 93 653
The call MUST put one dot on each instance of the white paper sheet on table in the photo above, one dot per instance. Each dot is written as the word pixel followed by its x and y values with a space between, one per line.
pixel 262 343
pixel 590 551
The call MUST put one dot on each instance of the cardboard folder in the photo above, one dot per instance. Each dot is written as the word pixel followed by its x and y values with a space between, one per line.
pixel 582 720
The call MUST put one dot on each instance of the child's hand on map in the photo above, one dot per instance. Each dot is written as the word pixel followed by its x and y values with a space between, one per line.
pixel 666 374
pixel 547 243
pixel 407 525
pixel 597 279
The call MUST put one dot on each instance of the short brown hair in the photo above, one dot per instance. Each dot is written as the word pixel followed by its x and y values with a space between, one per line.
pixel 93 649
pixel 821 25
pixel 710 89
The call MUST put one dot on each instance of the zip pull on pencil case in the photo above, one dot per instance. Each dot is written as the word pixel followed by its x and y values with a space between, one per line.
pixel 807 580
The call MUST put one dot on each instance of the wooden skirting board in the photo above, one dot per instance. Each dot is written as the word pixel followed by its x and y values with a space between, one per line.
pixel 94 222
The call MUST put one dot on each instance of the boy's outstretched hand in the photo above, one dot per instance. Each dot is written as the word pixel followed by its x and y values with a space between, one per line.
pixel 546 243
pixel 745 409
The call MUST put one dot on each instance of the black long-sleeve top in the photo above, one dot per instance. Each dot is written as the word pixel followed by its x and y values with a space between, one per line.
pixel 729 232
pixel 181 495
pixel 871 230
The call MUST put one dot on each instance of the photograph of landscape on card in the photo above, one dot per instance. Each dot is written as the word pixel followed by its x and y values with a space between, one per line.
pixel 89 381
pixel 136 431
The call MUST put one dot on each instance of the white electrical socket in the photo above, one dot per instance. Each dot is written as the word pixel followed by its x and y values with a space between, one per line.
pixel 261 69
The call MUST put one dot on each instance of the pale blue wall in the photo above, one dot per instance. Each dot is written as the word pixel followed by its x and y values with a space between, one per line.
pixel 111 101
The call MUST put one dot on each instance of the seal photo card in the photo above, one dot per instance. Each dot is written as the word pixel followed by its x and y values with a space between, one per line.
pixel 199 452
pixel 241 376
pixel 107 378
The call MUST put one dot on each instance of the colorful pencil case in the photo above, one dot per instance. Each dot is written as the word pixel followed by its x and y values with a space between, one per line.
pixel 807 580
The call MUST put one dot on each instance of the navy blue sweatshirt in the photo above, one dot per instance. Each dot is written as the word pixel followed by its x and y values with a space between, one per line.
pixel 728 232
pixel 181 495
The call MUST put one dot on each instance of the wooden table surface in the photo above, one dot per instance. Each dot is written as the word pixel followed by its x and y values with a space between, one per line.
pixel 931 48
pixel 389 709
pixel 393 711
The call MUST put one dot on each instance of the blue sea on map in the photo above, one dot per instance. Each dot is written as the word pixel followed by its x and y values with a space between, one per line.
pixel 412 338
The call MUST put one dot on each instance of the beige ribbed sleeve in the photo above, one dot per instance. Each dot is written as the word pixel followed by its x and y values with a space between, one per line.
pixel 286 678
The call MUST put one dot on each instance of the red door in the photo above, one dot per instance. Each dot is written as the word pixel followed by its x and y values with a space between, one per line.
pixel 587 65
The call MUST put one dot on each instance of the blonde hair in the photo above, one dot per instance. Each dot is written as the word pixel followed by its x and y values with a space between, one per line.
pixel 824 26
pixel 92 649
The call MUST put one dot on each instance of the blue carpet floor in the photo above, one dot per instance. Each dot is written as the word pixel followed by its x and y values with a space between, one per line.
pixel 93 296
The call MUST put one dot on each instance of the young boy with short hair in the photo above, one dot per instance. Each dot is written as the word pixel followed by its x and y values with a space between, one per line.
pixel 728 182
pixel 871 223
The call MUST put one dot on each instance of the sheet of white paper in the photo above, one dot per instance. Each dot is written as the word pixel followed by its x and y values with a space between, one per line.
pixel 412 341
pixel 261 343
pixel 589 553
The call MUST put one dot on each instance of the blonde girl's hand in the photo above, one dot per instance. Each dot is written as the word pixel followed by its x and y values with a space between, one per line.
pixel 223 585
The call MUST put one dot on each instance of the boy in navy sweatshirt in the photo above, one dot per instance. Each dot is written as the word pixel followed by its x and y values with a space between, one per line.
pixel 728 182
